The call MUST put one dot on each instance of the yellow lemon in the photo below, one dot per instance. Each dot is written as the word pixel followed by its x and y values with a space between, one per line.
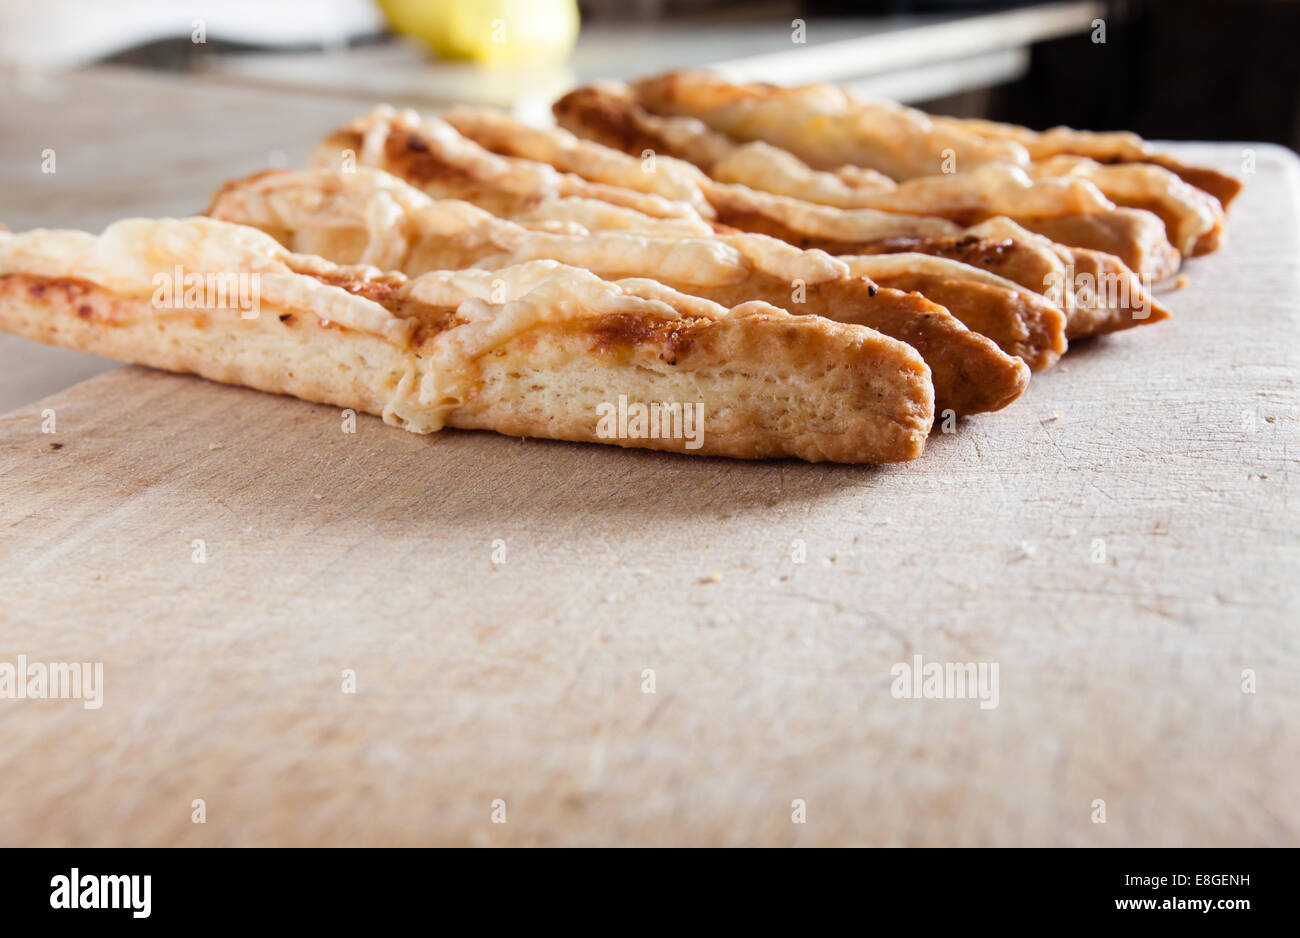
pixel 424 19
pixel 494 32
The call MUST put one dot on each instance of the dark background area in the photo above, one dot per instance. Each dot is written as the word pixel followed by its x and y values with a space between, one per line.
pixel 1169 69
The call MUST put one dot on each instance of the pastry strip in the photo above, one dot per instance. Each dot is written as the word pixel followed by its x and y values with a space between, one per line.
pixel 1193 219
pixel 434 156
pixel 823 125
pixel 431 353
pixel 607 113
pixel 778 187
pixel 1104 147
pixel 828 127
pixel 334 215
pixel 962 197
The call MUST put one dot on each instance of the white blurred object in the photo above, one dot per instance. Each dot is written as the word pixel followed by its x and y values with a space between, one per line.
pixel 63 33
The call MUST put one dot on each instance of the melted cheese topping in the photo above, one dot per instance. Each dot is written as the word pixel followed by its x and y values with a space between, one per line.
pixel 394 222
pixel 512 175
pixel 616 254
pixel 762 166
pixel 704 261
pixel 885 266
pixel 688 135
pixel 1144 185
pixel 1100 145
pixel 864 224
pixel 997 190
pixel 694 306
pixel 131 255
pixel 666 177
pixel 595 215
pixel 823 124
pixel 492 307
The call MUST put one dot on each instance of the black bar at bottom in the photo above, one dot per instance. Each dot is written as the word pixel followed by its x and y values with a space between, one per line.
pixel 371 887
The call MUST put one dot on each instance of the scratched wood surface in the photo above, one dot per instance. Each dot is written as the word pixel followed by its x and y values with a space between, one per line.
pixel 524 680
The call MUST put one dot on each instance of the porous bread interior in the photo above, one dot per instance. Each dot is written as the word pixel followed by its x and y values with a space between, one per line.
pixel 544 383
pixel 813 414
pixel 328 366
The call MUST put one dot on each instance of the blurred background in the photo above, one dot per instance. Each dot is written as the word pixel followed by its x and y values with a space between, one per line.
pixel 1171 69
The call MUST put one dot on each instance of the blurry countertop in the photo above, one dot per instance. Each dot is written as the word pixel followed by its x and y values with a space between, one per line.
pixel 908 58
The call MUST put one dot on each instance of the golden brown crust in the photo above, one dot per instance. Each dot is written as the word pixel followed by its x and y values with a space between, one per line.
pixel 1098 291
pixel 821 124
pixel 610 115
pixel 432 352
pixel 1112 147
pixel 1028 265
pixel 1022 322
pixel 825 125
pixel 653 173
pixel 1135 236
pixel 1223 187
pixel 1193 219
pixel 976 376
pixel 603 114
pixel 431 155
pixel 329 214
pixel 1107 296
pixel 809 225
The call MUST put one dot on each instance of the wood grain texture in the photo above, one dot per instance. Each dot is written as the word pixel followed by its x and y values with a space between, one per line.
pixel 522 680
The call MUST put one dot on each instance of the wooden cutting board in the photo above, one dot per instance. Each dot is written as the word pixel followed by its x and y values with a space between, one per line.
pixel 622 647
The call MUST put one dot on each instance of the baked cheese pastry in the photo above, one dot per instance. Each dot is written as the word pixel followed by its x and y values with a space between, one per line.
pixel 823 125
pixel 962 197
pixel 1014 317
pixel 1099 292
pixel 433 155
pixel 1103 294
pixel 997 246
pixel 429 154
pixel 1193 219
pixel 607 113
pixel 578 216
pixel 545 354
pixel 828 127
pixel 1019 324
pixel 1104 147
pixel 1135 236
pixel 373 218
